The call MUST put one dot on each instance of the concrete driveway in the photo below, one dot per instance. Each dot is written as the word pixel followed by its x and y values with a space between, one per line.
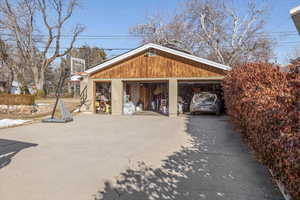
pixel 139 157
pixel 72 161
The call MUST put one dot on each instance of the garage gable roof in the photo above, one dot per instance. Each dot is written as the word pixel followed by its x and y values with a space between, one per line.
pixel 158 47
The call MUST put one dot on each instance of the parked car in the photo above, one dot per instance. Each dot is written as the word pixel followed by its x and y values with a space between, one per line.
pixel 205 102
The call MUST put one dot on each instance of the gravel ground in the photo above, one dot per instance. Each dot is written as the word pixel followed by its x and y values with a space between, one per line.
pixel 70 103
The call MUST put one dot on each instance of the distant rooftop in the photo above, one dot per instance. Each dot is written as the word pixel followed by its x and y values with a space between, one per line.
pixel 295 10
pixel 295 14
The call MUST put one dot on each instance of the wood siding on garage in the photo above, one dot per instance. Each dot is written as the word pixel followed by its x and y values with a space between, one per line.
pixel 162 65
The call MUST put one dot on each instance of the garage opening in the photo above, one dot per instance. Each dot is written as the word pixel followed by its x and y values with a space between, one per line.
pixel 146 98
pixel 103 97
pixel 200 97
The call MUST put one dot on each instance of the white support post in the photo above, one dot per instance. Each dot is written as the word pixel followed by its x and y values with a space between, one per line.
pixel 173 97
pixel 117 97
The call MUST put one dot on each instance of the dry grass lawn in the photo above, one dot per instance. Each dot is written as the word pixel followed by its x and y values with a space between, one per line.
pixel 70 103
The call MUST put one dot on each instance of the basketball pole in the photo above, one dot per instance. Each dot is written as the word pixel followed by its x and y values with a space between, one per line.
pixel 63 76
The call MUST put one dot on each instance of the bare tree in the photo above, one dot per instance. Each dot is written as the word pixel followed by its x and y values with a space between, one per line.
pixel 23 20
pixel 160 31
pixel 215 30
pixel 6 68
pixel 92 55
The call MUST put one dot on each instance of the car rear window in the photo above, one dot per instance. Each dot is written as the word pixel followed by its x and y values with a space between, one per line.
pixel 204 98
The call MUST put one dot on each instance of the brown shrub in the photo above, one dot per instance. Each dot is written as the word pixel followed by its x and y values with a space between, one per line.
pixel 11 99
pixel 260 103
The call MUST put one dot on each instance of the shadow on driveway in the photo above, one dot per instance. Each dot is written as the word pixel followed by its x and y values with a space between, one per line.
pixel 9 148
pixel 217 166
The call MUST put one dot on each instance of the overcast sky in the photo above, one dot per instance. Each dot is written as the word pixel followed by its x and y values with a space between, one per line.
pixel 115 17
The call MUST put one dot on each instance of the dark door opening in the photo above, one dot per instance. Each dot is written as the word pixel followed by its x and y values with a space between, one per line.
pixel 187 90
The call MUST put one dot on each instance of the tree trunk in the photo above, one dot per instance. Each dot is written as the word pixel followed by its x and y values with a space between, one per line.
pixel 10 80
pixel 39 82
pixel 39 78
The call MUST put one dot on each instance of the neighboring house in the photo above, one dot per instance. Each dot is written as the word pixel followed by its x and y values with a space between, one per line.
pixel 295 14
pixel 284 68
pixel 151 76
pixel 16 88
pixel 74 84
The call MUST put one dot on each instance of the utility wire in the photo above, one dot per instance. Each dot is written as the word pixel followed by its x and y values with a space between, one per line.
pixel 285 34
pixel 278 44
pixel 116 36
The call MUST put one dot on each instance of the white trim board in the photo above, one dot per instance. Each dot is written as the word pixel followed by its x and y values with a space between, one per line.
pixel 164 79
pixel 161 48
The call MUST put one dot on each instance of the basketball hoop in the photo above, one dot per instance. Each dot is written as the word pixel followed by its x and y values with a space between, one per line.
pixel 77 66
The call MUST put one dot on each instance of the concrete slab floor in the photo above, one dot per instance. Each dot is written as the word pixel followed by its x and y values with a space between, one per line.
pixel 130 157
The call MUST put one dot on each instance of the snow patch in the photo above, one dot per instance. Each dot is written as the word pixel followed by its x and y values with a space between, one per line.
pixel 77 110
pixel 232 177
pixel 42 104
pixel 220 194
pixel 11 122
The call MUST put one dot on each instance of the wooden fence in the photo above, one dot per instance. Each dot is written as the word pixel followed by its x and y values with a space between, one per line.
pixel 12 99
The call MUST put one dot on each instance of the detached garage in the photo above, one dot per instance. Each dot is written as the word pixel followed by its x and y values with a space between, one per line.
pixel 149 78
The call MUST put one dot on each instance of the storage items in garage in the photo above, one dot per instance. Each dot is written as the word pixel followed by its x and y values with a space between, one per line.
pixel 180 105
pixel 103 97
pixel 146 96
pixel 129 108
